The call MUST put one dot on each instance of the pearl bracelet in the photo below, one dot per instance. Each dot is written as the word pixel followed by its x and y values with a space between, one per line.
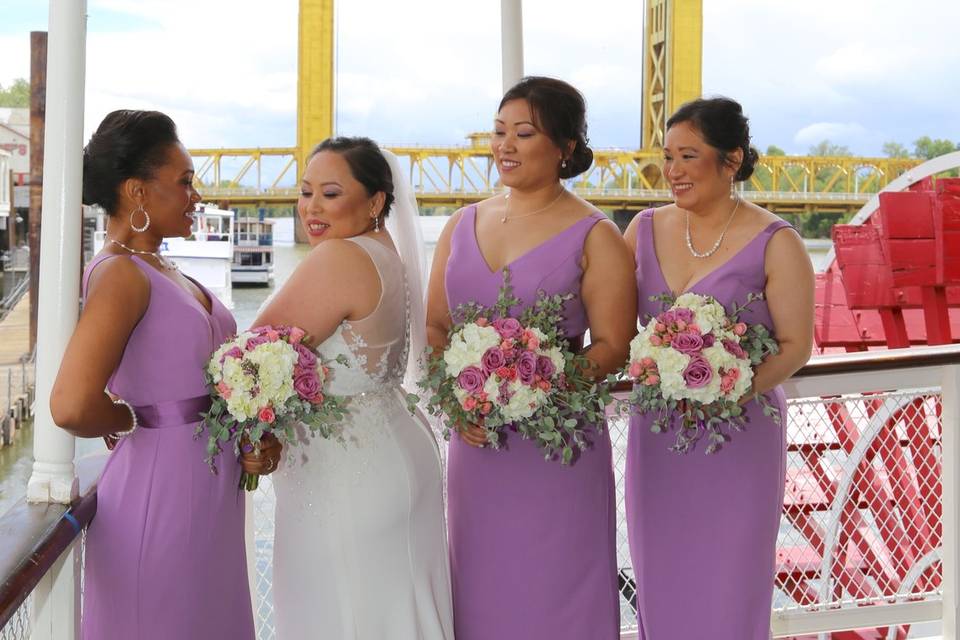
pixel 133 419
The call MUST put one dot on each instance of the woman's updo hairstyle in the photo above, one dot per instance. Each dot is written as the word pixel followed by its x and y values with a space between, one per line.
pixel 724 127
pixel 127 144
pixel 367 165
pixel 560 111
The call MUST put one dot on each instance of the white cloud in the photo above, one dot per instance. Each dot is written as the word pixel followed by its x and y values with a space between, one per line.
pixel 838 132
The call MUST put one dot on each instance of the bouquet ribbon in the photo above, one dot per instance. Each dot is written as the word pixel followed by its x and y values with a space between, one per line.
pixel 174 413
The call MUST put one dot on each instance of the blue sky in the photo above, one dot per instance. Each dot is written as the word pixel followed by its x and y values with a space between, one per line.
pixel 859 72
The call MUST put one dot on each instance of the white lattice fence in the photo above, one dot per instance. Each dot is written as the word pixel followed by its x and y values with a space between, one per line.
pixel 19 626
pixel 862 506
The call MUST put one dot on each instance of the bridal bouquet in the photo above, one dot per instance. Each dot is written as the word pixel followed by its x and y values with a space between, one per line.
pixel 266 380
pixel 693 363
pixel 499 370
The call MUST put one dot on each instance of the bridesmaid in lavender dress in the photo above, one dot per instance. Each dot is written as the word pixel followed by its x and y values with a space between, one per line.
pixel 532 542
pixel 703 529
pixel 164 554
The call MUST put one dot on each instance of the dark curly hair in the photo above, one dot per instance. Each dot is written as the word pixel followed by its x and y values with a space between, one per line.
pixel 367 165
pixel 722 124
pixel 560 111
pixel 127 144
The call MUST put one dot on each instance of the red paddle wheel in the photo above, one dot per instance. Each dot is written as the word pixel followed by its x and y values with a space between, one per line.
pixel 895 282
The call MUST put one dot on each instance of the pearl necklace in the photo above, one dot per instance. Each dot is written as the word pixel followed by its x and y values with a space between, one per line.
pixel 166 263
pixel 507 216
pixel 716 245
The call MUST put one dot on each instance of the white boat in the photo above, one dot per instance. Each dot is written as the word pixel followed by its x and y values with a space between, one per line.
pixel 253 251
pixel 205 255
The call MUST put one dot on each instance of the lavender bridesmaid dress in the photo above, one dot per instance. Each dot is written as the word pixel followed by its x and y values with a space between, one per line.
pixel 532 542
pixel 164 554
pixel 703 528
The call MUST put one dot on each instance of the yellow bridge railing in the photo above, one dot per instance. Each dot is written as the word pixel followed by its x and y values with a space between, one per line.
pixel 455 176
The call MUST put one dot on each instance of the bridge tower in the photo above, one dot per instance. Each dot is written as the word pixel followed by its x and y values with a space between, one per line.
pixel 315 76
pixel 672 61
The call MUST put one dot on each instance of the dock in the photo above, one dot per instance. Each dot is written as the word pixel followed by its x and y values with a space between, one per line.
pixel 17 374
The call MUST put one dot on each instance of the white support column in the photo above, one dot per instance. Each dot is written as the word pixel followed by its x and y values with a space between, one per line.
pixel 511 41
pixel 53 478
pixel 950 443
pixel 56 599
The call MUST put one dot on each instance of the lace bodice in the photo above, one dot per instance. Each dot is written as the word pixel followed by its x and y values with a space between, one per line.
pixel 375 346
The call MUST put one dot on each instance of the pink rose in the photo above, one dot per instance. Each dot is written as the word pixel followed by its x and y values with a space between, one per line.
pixel 508 327
pixel 527 367
pixel 296 335
pixel 545 367
pixel 307 384
pixel 507 373
pixel 307 359
pixel 734 349
pixel 471 379
pixel 655 340
pixel 659 327
pixel 469 403
pixel 234 353
pixel 256 341
pixel 694 328
pixel 709 340
pixel 224 390
pixel 689 343
pixel 698 373
pixel 317 399
pixel 651 380
pixel 493 358
pixel 684 315
pixel 740 328
pixel 531 340
pixel 267 415
pixel 635 370
pixel 729 380
pixel 486 408
pixel 647 362
pixel 543 384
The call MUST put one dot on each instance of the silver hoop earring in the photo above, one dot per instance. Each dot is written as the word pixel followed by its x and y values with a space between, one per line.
pixel 146 217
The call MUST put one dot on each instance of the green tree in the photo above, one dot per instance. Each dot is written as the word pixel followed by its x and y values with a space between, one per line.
pixel 895 150
pixel 928 149
pixel 774 150
pixel 827 148
pixel 17 95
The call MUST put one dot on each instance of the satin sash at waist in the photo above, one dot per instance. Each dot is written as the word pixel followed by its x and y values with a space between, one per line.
pixel 174 413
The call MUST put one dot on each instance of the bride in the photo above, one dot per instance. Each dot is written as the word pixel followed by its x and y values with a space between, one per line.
pixel 360 549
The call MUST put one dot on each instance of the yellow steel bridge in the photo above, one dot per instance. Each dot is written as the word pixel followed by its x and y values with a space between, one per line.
pixel 619 179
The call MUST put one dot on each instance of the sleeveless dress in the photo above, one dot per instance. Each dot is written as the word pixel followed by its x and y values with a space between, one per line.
pixel 165 554
pixel 532 542
pixel 703 528
pixel 360 549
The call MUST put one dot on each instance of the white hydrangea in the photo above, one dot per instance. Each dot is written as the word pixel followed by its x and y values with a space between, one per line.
pixel 467 347
pixel 708 314
pixel 275 362
pixel 671 364
pixel 523 403
pixel 556 356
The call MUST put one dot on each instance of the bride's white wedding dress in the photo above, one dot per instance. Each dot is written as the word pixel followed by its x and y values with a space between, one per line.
pixel 360 551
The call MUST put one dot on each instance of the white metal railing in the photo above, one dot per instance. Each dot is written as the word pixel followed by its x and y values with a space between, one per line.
pixel 869 471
